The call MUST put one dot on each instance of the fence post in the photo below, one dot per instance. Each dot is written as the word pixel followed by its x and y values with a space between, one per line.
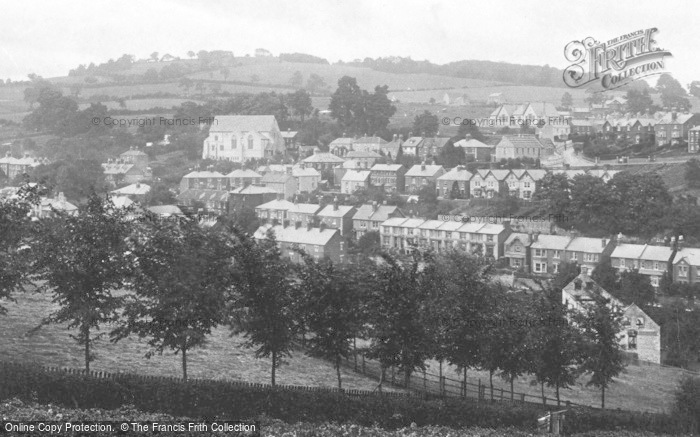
pixel 464 388
pixel 501 394
pixel 442 386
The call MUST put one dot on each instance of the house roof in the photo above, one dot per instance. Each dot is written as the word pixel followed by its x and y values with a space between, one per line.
pixel 588 245
pixel 413 141
pixel 343 141
pixel 628 251
pixel 350 165
pixel 244 173
pixel 472 143
pixel 121 201
pixel 580 122
pixel 356 176
pixel 58 203
pixel 681 118
pixel 391 148
pixel 360 154
pixel 253 189
pixel 204 195
pixel 165 210
pixel 342 211
pixel 277 204
pixel 492 228
pixel 203 174
pixel 301 235
pixel 386 167
pixel 305 172
pixel 450 226
pixel 691 255
pixel 657 253
pixel 556 242
pixel 424 170
pixel 436 142
pixel 116 168
pixel 276 178
pixel 323 157
pixel 289 134
pixel 370 140
pixel 520 141
pixel 243 123
pixel 136 189
pixel 431 224
pixel 456 174
pixel 524 238
pixel 382 213
pixel 304 208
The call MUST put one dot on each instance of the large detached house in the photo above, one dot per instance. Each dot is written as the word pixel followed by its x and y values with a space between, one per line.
pixel 686 266
pixel 454 183
pixel 239 138
pixel 674 127
pixel 521 146
pixel 421 175
pixel 336 216
pixel 390 176
pixel 354 180
pixel 640 335
pixel 475 150
pixel 516 249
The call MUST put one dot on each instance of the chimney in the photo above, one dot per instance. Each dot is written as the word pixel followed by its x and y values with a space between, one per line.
pixel 535 236
pixel 674 114
pixel 285 223
pixel 530 238
pixel 577 284
pixel 395 137
pixel 8 154
pixel 289 169
pixel 374 206
pixel 138 184
pixel 603 242
pixel 680 242
pixel 309 225
pixel 322 227
pixel 280 196
pixel 422 166
pixel 335 204
pixel 384 202
pixel 401 137
pixel 619 238
pixel 297 224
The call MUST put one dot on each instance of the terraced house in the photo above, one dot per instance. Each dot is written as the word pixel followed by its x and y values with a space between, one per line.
pixel 319 242
pixel 649 260
pixel 454 183
pixel 686 266
pixel 335 216
pixel 421 175
pixel 548 252
pixel 673 127
pixel 280 210
pixel 405 234
pixel 368 218
pixel 523 183
pixel 488 183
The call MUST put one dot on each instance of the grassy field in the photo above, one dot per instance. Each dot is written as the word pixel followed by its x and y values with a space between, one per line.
pixel 224 357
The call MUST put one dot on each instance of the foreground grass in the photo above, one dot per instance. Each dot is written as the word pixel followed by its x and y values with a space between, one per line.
pixel 224 357
pixel 17 410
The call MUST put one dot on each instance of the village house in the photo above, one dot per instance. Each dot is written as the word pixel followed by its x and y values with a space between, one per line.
pixel 652 261
pixel 391 149
pixel 341 146
pixel 354 180
pixel 319 243
pixel 293 212
pixel 239 138
pixel 488 183
pixel 547 253
pixel 431 147
pixel 204 180
pixel 136 192
pixel 368 144
pixel 243 177
pixel 336 216
pixel 673 127
pixel 368 218
pixel 412 146
pixel 322 160
pixel 291 144
pixel 283 183
pixel 13 167
pixel 475 150
pixel 516 249
pixel 362 160
pixel 421 175
pixel 250 196
pixel 588 252
pixel 48 206
pixel 582 127
pixel 686 265
pixel 307 178
pixel 130 167
pixel 523 183
pixel 454 183
pixel 213 202
pixel 640 335
pixel 390 176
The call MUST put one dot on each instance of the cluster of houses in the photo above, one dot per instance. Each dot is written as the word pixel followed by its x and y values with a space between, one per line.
pixel 131 167
pixel 12 167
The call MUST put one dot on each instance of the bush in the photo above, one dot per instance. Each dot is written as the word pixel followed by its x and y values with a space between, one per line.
pixel 222 400
pixel 687 407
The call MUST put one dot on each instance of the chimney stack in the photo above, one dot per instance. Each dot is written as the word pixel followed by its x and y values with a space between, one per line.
pixel 603 242
pixel 322 226
pixel 680 242
pixel 285 223
pixel 335 204
pixel 422 166
pixel 535 236
pixel 297 224
pixel 619 238
pixel 374 206
pixel 309 225
pixel 530 237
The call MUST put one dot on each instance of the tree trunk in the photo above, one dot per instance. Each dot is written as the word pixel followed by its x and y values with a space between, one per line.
pixel 406 378
pixel 558 400
pixel 274 366
pixel 544 400
pixel 337 371
pixel 86 334
pixel 491 382
pixel 440 385
pixel 602 397
pixel 512 393
pixel 184 363
pixel 381 378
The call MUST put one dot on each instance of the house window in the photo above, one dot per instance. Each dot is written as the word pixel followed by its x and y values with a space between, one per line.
pixel 316 248
pixel 540 267
pixel 250 142
pixel 655 281
pixel 489 238
pixel 233 143
pixel 555 268
pixel 540 252
pixel 574 256
pixel 517 262
pixel 622 262
pixel 683 271
pixel 517 248
pixel 216 138
pixel 221 147
pixel 555 254
pixel 632 340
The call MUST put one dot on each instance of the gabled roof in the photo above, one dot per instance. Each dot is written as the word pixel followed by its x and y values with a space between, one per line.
pixel 690 255
pixel 305 172
pixel 276 178
pixel 523 238
pixel 587 245
pixel 116 168
pixel 276 205
pixel 382 213
pixel 244 173
pixel 356 176
pixel 424 170
pixel 520 141
pixel 413 142
pixel 472 143
pixel 370 140
pixel 681 118
pixel 437 142
pixel 456 174
pixel 253 189
pixel 301 235
pixel 330 211
pixel 360 154
pixel 304 208
pixel 165 210
pixel 136 189
pixel 556 242
pixel 289 134
pixel 323 157
pixel 628 251
pixel 203 175
pixel 386 167
pixel 342 142
pixel 243 123
pixel 657 253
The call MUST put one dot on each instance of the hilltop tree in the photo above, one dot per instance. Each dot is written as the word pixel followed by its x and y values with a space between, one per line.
pixel 191 54
pixel 426 124
pixel 641 200
pixel 639 101
pixel 359 112
pixel 297 79
pixel 554 192
pixel 180 280
pixel 154 56
pixel 603 360
pixel 315 83
pixel 82 261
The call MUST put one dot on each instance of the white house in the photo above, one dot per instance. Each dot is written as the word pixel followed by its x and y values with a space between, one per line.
pixel 354 180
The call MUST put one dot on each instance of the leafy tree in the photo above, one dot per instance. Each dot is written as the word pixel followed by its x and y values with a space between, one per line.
pixel 451 155
pixel 692 173
pixel 673 95
pixel 154 56
pixel 600 326
pixel 639 101
pixel 398 337
pixel 297 79
pixel 191 54
pixel 263 309
pixel 300 103
pixel 568 271
pixel 566 100
pixel 54 114
pixel 180 280
pixel 593 205
pixel 186 83
pixel 428 194
pixel 641 202
pixel 315 83
pixel 369 244
pixel 225 72
pixel 687 403
pixel 605 275
pixel 516 353
pixel 426 124
pixel 331 307
pixel 160 194
pixel 470 130
pixel 15 231
pixel 151 75
pixel 359 112
pixel 81 259
pixel 636 288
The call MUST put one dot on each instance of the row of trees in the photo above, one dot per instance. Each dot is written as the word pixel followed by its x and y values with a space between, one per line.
pixel 173 282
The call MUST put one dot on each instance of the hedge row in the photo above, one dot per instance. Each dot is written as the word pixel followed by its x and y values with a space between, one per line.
pixel 212 400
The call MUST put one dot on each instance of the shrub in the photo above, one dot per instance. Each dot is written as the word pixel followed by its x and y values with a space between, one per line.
pixel 687 407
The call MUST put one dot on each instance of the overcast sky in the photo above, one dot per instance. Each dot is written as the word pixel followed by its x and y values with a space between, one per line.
pixel 49 38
